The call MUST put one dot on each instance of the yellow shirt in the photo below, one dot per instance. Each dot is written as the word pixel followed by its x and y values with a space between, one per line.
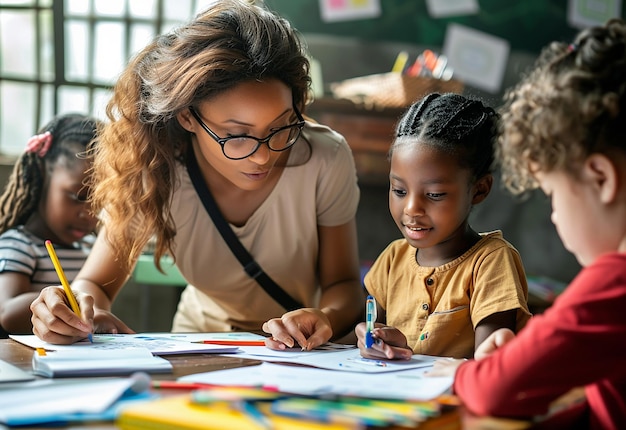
pixel 438 308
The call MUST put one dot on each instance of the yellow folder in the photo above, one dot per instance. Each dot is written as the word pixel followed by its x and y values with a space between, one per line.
pixel 179 413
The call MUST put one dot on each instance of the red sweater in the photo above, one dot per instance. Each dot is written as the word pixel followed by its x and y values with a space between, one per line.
pixel 579 341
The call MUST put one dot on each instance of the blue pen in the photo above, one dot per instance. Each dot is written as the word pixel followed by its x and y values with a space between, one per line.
pixel 370 319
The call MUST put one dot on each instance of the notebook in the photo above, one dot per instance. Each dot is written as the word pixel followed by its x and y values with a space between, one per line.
pixel 98 363
pixel 11 373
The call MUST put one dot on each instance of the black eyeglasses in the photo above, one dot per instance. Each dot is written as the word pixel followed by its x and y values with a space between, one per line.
pixel 243 146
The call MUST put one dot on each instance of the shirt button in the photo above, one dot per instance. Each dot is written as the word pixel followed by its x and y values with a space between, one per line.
pixel 430 281
pixel 425 306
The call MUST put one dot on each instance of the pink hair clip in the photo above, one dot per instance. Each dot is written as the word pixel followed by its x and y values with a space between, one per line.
pixel 39 144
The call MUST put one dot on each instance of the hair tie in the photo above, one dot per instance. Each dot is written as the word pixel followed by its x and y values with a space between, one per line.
pixel 39 144
pixel 572 47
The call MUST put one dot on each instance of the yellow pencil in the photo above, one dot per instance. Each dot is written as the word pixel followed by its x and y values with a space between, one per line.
pixel 63 279
pixel 401 59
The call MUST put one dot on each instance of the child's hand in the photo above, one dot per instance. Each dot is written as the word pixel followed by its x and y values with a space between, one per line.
pixel 389 343
pixel 445 367
pixel 495 340
pixel 106 322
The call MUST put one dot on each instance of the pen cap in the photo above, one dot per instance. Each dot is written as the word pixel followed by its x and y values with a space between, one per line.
pixel 141 382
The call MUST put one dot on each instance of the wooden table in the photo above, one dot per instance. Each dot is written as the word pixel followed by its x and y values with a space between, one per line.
pixel 21 356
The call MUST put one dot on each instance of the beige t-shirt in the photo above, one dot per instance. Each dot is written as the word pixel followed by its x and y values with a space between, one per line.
pixel 282 236
pixel 438 308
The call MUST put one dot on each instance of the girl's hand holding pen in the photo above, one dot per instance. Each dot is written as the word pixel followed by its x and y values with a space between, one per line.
pixel 389 343
pixel 306 328
pixel 55 322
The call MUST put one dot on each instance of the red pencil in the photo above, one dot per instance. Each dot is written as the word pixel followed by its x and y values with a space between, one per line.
pixel 199 385
pixel 179 385
pixel 235 342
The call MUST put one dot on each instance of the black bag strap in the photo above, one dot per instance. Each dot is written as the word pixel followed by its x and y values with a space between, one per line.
pixel 251 267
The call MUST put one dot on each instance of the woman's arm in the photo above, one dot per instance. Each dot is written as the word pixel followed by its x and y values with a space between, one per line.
pixel 95 286
pixel 342 300
pixel 343 297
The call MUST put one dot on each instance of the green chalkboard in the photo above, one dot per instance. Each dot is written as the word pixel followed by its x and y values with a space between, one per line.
pixel 528 25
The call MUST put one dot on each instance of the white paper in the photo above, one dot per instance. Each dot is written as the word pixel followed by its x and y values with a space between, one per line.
pixel 52 397
pixel 347 360
pixel 157 345
pixel 403 385
pixel 199 337
pixel 478 58
pixel 11 373
pixel 587 13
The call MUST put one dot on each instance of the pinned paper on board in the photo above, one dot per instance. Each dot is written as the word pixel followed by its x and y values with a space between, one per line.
pixel 588 13
pixel 348 10
pixel 478 59
pixel 445 8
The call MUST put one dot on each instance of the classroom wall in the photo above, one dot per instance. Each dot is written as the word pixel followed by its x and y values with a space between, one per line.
pixel 365 47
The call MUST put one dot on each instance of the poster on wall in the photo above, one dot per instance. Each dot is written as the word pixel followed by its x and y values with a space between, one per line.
pixel 349 10
pixel 588 13
pixel 478 59
pixel 445 8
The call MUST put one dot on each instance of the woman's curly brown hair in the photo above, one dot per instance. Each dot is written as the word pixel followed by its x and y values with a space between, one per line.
pixel 570 106
pixel 138 149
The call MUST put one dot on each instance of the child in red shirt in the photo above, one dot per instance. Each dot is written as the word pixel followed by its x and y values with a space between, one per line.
pixel 564 131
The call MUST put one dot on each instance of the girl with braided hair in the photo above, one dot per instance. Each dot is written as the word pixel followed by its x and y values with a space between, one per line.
pixel 563 131
pixel 443 288
pixel 45 198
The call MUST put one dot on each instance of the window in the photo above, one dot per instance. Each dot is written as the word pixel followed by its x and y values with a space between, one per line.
pixel 59 56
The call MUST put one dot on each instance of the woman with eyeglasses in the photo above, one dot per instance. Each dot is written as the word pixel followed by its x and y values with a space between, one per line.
pixel 215 106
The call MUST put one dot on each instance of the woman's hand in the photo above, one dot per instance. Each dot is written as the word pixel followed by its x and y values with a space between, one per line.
pixel 306 327
pixel 55 322
pixel 390 343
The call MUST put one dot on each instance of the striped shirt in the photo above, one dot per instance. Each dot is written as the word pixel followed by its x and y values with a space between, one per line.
pixel 23 252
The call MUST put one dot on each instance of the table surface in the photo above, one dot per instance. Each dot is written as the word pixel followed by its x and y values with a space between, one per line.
pixel 185 364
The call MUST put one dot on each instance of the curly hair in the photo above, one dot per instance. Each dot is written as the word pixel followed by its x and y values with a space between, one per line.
pixel 455 124
pixel 70 136
pixel 135 162
pixel 571 105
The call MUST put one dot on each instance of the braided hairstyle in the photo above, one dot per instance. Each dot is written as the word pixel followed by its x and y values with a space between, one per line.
pixel 462 127
pixel 570 106
pixel 70 137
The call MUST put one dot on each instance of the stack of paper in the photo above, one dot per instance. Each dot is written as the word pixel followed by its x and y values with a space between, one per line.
pixel 64 400
pixel 102 363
